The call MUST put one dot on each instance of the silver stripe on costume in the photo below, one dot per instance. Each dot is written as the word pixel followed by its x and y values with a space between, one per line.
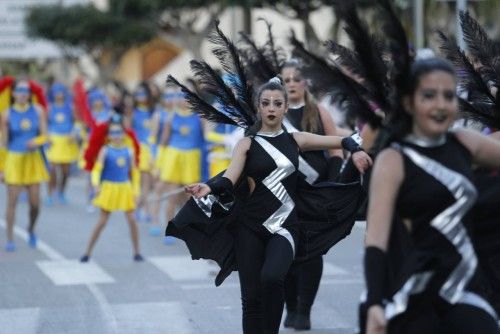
pixel 206 203
pixel 415 284
pixel 273 182
pixel 284 232
pixel 304 167
pixel 473 299
pixel 449 222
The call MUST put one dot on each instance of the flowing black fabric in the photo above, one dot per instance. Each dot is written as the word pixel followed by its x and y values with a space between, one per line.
pixel 326 212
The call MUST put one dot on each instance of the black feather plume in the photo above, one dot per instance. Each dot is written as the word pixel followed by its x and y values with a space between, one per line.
pixel 229 58
pixel 332 80
pixel 256 60
pixel 271 50
pixel 204 109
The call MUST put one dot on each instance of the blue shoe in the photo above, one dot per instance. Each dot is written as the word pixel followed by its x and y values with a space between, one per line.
pixel 32 240
pixel 138 258
pixel 168 240
pixel 49 201
pixel 155 231
pixel 84 259
pixel 10 246
pixel 62 199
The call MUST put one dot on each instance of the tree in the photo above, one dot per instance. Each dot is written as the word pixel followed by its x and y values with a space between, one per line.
pixel 104 35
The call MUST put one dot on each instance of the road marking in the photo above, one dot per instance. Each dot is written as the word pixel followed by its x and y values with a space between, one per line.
pixel 54 255
pixel 181 268
pixel 163 317
pixel 72 272
pixel 21 320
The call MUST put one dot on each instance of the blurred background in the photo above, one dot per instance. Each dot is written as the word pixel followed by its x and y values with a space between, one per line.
pixel 125 42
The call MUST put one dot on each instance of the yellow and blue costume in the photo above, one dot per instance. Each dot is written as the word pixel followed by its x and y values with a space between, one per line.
pixel 182 157
pixel 141 124
pixel 160 150
pixel 114 177
pixel 219 156
pixel 24 166
pixel 63 147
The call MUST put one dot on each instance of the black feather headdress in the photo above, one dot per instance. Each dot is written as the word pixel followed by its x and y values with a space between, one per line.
pixel 345 90
pixel 234 99
pixel 475 81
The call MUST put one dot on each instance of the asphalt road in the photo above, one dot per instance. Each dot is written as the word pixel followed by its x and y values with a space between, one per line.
pixel 47 290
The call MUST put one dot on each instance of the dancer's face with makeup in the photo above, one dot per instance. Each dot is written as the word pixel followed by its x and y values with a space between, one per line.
pixel 272 109
pixel 434 104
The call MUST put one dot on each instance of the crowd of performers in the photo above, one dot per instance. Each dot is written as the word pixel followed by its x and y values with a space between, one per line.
pixel 284 183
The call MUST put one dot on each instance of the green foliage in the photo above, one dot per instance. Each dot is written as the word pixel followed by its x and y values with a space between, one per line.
pixel 85 25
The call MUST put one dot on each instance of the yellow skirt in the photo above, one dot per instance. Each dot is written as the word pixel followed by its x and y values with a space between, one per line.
pixel 218 164
pixel 145 158
pixel 81 155
pixel 25 168
pixel 115 196
pixel 3 155
pixel 63 149
pixel 181 167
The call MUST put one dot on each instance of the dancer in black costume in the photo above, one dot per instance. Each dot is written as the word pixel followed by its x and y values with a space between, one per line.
pixel 425 179
pixel 481 103
pixel 266 235
pixel 302 281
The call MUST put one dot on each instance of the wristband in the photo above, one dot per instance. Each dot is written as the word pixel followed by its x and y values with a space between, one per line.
pixel 221 186
pixel 350 145
pixel 375 274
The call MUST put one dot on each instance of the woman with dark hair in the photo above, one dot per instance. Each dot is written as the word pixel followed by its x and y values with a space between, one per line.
pixel 304 114
pixel 111 163
pixel 266 237
pixel 24 132
pixel 140 122
pixel 423 180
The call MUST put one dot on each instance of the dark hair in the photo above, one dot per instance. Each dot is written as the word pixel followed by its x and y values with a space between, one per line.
pixel 311 121
pixel 422 67
pixel 272 84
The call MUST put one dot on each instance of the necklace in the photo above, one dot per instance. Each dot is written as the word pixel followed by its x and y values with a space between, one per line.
pixel 426 141
pixel 270 134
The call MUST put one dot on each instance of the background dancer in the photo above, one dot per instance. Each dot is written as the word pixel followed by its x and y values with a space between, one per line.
pixel 63 147
pixel 24 130
pixel 111 162
pixel 183 138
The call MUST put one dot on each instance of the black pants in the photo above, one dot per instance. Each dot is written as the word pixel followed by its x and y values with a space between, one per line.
pixel 458 319
pixel 263 263
pixel 302 284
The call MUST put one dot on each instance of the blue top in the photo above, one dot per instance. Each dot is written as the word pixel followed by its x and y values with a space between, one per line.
pixel 141 123
pixel 187 133
pixel 23 127
pixel 60 119
pixel 117 164
pixel 161 124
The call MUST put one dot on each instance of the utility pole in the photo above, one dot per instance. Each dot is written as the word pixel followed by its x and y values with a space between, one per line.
pixel 418 23
pixel 461 6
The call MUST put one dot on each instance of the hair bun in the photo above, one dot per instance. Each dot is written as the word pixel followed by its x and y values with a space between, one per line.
pixel 275 80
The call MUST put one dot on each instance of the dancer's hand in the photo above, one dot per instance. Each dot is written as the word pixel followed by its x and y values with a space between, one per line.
pixel 198 190
pixel 376 323
pixel 362 161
